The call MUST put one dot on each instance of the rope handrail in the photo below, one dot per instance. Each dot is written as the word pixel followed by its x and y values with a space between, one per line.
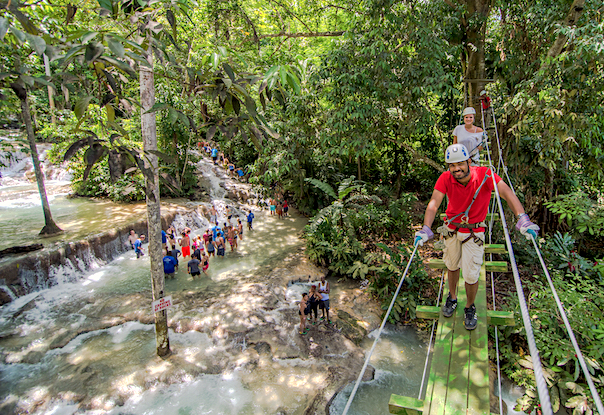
pixel 542 390
pixel 421 388
pixel 573 340
pixel 377 338
pixel 579 354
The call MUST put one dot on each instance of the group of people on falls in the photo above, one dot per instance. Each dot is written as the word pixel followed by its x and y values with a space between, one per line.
pixel 220 159
pixel 198 249
pixel 468 187
pixel 278 207
pixel 316 299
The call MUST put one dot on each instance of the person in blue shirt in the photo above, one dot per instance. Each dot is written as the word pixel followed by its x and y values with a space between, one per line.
pixel 164 239
pixel 170 265
pixel 138 246
pixel 216 231
pixel 250 218
pixel 214 155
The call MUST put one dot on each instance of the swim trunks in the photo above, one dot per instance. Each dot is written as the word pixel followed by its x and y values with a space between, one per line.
pixel 220 252
pixel 186 250
pixel 273 207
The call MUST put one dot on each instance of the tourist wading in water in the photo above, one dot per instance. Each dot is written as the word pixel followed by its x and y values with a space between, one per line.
pixel 324 303
pixel 469 190
pixel 170 265
pixel 138 246
pixel 132 238
pixel 303 311
pixel 193 267
pixel 314 298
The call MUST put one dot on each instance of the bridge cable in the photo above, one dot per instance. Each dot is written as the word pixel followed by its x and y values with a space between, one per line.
pixel 592 387
pixel 377 338
pixel 491 224
pixel 594 392
pixel 421 389
pixel 542 390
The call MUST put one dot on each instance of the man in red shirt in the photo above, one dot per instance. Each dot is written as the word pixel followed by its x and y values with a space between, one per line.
pixel 469 189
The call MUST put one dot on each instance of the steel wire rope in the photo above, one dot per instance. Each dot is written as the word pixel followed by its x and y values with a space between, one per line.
pixel 593 390
pixel 542 391
pixel 377 338
pixel 592 387
pixel 421 389
pixel 491 223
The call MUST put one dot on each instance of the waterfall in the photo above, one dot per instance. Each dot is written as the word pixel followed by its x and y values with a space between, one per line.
pixel 16 168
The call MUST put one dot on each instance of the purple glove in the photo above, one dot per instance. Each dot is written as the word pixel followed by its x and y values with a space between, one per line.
pixel 423 236
pixel 526 227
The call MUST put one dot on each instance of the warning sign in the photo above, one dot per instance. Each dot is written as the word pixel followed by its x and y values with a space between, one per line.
pixel 162 304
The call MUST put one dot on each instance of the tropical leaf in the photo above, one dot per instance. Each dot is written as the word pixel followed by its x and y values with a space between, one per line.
pixel 115 46
pixel 326 188
pixel 3 28
pixel 81 106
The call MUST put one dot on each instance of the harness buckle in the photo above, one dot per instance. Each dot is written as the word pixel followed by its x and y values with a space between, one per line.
pixel 464 219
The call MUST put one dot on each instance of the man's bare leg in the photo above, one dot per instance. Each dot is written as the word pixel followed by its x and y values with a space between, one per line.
pixel 471 290
pixel 453 278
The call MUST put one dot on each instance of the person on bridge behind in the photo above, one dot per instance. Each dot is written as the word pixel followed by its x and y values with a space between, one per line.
pixel 469 135
pixel 469 190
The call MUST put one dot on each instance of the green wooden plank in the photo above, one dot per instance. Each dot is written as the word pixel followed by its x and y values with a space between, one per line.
pixel 429 312
pixel 478 387
pixel 436 391
pixel 404 405
pixel 457 390
pixel 496 266
pixel 496 318
pixel 495 249
pixel 501 318
pixel 436 263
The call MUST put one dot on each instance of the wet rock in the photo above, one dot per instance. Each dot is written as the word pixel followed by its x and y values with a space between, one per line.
pixel 33 357
pixel 262 348
pixel 349 327
pixel 369 374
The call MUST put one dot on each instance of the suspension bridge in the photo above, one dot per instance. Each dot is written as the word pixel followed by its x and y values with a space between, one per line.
pixel 458 381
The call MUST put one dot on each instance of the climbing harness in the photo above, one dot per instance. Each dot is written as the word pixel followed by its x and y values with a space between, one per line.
pixel 447 232
pixel 377 338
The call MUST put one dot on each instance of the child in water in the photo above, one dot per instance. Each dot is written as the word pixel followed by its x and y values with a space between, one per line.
pixel 302 312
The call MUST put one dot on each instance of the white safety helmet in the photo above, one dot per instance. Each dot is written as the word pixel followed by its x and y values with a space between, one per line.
pixel 456 153
pixel 469 111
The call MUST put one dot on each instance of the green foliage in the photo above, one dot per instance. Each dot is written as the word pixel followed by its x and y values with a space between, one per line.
pixel 384 282
pixel 561 253
pixel 581 290
pixel 580 213
pixel 128 188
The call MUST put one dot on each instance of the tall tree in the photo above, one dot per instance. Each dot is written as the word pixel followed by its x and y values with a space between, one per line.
pixel 50 227
pixel 18 80
pixel 149 134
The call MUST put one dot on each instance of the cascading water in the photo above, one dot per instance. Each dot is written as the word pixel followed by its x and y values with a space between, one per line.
pixel 85 344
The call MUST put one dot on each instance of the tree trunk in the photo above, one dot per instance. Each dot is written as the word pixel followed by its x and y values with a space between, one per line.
pixel 51 99
pixel 50 227
pixel 149 134
pixel 474 25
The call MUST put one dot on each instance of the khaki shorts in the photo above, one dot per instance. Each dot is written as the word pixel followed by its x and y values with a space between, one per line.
pixel 468 256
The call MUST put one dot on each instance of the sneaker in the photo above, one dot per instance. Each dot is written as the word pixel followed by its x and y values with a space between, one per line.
pixel 471 320
pixel 449 307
